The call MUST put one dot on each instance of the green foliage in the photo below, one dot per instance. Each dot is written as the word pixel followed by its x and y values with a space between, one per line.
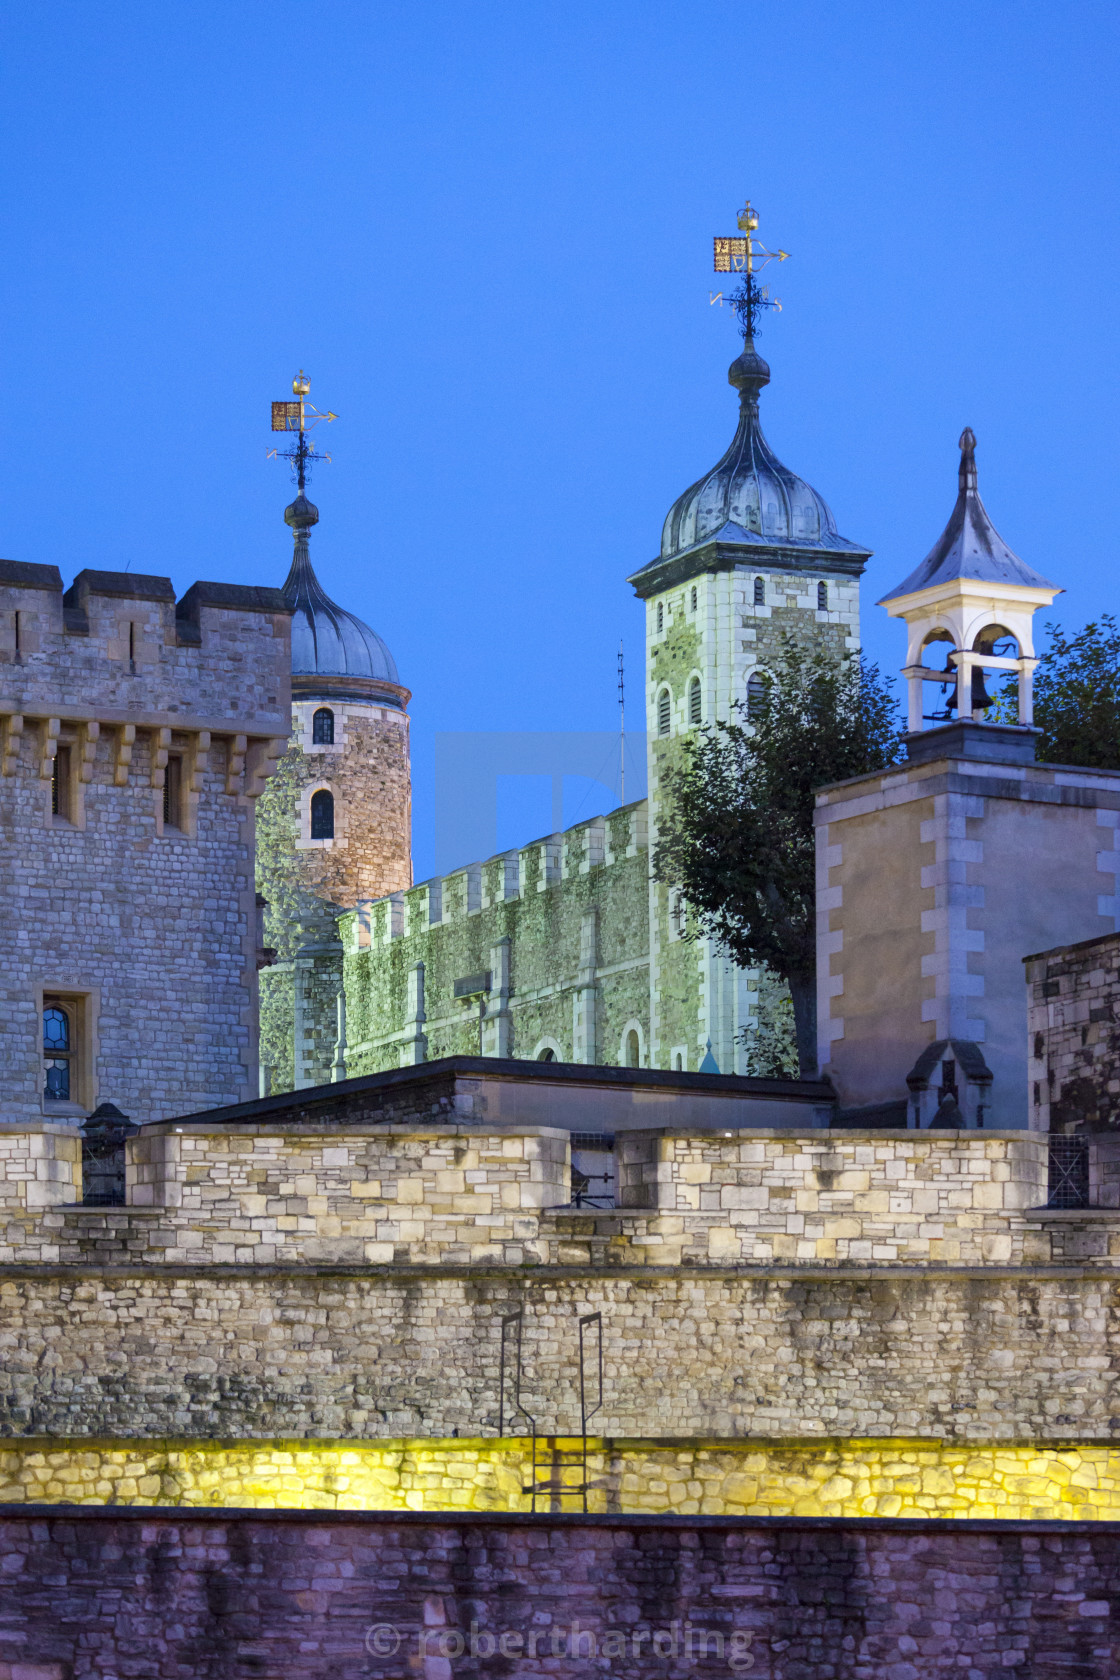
pixel 737 834
pixel 771 1045
pixel 1076 697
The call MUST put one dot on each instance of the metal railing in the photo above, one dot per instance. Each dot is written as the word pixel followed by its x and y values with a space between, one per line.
pixel 553 1460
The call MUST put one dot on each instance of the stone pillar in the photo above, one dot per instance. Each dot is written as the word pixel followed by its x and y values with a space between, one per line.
pixel 414 1047
pixel 338 1066
pixel 303 1033
pixel 586 994
pixel 497 1023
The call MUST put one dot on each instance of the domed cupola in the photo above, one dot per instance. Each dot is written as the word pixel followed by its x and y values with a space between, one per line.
pixel 749 509
pixel 333 652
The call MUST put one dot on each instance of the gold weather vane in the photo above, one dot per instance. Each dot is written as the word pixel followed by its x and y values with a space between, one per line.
pixel 740 254
pixel 302 417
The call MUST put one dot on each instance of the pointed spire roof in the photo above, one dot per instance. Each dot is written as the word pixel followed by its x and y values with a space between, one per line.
pixel 969 546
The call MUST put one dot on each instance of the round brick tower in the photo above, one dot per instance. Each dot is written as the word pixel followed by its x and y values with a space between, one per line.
pixel 334 824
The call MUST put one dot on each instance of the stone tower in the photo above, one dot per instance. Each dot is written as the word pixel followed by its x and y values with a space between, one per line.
pixel 335 823
pixel 747 551
pixel 136 734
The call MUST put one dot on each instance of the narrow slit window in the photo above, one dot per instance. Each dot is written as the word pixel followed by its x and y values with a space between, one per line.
pixel 633 1049
pixel 822 597
pixel 58 1052
pixel 694 706
pixel 173 793
pixel 60 785
pixel 322 815
pixel 663 712
pixel 660 617
pixel 759 592
pixel 756 695
pixel 322 727
pixel 693 598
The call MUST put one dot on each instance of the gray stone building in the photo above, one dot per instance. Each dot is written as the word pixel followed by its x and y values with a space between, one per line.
pixel 136 733
pixel 566 948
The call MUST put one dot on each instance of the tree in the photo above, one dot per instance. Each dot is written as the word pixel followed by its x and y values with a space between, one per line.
pixel 737 832
pixel 1077 697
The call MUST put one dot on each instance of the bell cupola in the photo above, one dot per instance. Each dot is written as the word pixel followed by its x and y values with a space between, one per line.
pixel 971 603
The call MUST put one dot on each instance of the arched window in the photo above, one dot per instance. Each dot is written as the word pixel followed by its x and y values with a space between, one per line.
pixel 693 597
pixel 548 1054
pixel 633 1049
pixel 57 1052
pixel 678 1061
pixel 663 712
pixel 756 695
pixel 660 617
pixel 822 597
pixel 322 815
pixel 694 712
pixel 322 727
pixel 760 592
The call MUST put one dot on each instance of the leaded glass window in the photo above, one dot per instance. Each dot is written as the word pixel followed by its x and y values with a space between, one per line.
pixel 58 1052
pixel 322 727
pixel 322 815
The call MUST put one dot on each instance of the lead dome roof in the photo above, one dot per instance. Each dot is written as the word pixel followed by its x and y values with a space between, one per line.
pixel 749 497
pixel 326 639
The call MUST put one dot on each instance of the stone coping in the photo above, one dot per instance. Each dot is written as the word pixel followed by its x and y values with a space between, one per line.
pixel 199 1125
pixel 189 1515
pixel 793 1272
pixel 1091 1215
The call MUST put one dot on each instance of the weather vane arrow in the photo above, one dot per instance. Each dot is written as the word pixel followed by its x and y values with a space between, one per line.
pixel 742 254
pixel 302 417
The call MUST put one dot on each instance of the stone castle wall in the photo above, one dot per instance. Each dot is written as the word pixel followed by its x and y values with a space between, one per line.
pixel 1073 996
pixel 146 928
pixel 233 1595
pixel 556 934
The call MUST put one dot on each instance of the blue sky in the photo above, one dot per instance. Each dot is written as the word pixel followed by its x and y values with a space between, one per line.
pixel 485 231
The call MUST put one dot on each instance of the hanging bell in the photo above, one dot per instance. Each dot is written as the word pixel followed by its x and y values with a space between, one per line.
pixel 981 699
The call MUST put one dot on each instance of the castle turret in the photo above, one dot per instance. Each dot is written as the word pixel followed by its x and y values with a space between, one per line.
pixel 335 826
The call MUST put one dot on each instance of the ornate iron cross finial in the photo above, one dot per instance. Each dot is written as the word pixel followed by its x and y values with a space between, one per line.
pixel 299 416
pixel 743 254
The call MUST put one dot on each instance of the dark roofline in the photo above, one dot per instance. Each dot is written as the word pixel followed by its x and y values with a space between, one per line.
pixel 492 1067
pixel 130 586
pixel 26 575
pixel 716 556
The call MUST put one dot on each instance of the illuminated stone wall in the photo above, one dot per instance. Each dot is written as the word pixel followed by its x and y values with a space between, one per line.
pixel 826 1478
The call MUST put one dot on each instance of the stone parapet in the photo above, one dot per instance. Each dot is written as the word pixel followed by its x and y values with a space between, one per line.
pixel 40 1167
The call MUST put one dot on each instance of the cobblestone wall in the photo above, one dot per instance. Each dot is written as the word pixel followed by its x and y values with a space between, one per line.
pixel 234 1597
